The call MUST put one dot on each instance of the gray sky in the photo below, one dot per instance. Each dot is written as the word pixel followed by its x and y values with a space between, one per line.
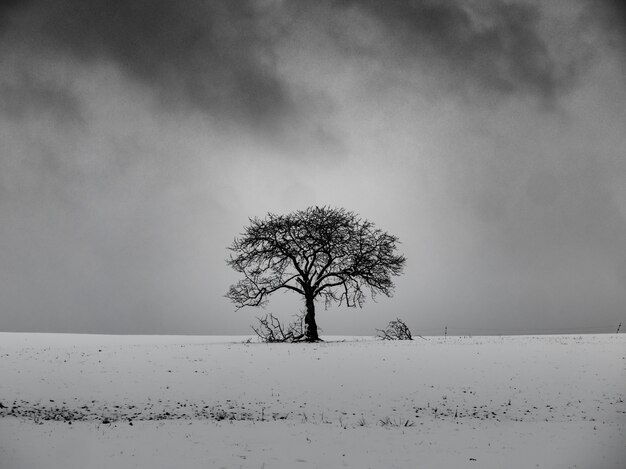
pixel 136 138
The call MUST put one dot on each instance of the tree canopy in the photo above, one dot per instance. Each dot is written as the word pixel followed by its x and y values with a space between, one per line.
pixel 320 252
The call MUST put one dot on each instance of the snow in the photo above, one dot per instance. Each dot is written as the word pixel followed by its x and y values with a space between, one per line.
pixel 95 401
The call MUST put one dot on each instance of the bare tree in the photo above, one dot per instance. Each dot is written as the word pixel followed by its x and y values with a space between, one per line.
pixel 320 252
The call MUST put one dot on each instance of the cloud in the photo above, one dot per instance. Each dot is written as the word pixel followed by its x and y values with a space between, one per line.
pixel 227 59
pixel 612 16
pixel 490 47
pixel 608 20
pixel 26 94
pixel 213 56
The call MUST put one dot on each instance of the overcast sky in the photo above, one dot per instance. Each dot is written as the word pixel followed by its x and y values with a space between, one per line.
pixel 137 137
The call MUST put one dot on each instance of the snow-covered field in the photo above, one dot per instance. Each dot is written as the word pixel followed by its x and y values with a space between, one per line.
pixel 86 401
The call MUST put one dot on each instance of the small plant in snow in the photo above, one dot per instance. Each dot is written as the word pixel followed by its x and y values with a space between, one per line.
pixel 388 422
pixel 221 414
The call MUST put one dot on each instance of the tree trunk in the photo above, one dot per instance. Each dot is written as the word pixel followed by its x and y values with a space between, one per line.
pixel 309 320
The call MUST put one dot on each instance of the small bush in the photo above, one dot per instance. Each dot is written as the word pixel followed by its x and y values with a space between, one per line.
pixel 396 330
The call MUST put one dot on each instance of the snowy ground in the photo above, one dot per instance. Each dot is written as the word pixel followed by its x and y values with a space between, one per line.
pixel 80 401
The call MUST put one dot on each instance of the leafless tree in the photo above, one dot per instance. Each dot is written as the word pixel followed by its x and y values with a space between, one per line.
pixel 320 252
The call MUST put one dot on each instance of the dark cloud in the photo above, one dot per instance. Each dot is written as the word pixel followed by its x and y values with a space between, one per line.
pixel 615 17
pixel 6 8
pixel 214 56
pixel 222 57
pixel 28 95
pixel 610 17
pixel 493 45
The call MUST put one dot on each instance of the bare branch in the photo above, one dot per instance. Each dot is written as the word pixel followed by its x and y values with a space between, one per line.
pixel 271 330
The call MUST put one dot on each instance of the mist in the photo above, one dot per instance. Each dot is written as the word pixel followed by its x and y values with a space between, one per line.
pixel 137 139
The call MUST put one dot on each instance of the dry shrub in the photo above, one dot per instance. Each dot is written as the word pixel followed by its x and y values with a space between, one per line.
pixel 396 330
pixel 271 330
